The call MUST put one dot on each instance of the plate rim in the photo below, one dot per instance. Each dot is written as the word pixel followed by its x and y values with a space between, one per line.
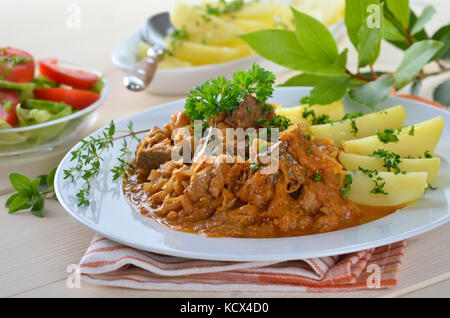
pixel 280 257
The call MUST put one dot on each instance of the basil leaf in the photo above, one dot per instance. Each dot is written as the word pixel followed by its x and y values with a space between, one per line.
pixel 38 206
pixel 20 202
pixel 400 10
pixel 282 47
pixel 11 199
pixel 414 60
pixel 315 37
pixel 305 80
pixel 426 15
pixel 51 178
pixel 20 182
pixel 329 91
pixel 443 35
pixel 373 93
pixel 441 93
pixel 356 16
pixel 369 45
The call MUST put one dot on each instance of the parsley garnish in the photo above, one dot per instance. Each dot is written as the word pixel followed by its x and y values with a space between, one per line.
pixel 390 160
pixel 218 95
pixel 348 180
pixel 310 151
pixel 411 131
pixel 278 121
pixel 254 166
pixel 317 177
pixel 224 7
pixel 387 136
pixel 315 120
pixel 428 154
pixel 376 179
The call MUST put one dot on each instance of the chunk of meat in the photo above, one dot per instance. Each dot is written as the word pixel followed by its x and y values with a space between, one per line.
pixel 154 150
pixel 247 114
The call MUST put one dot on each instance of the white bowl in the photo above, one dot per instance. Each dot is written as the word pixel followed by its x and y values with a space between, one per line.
pixel 181 80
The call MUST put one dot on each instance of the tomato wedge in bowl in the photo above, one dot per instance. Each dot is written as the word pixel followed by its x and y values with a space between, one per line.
pixel 45 123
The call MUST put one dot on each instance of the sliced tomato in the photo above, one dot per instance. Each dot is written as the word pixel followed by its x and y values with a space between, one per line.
pixel 9 99
pixel 16 65
pixel 63 75
pixel 76 98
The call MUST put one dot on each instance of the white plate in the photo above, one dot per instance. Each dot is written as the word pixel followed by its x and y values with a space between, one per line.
pixel 110 214
pixel 181 80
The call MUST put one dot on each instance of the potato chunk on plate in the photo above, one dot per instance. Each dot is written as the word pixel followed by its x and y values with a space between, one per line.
pixel 425 138
pixel 363 126
pixel 334 110
pixel 199 54
pixel 401 189
pixel 202 28
pixel 352 161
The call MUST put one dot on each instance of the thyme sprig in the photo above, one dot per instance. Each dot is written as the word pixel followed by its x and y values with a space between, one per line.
pixel 88 158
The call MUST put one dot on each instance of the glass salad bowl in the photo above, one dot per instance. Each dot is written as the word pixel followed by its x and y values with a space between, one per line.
pixel 48 135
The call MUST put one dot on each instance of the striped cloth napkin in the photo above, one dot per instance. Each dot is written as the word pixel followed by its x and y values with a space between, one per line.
pixel 112 264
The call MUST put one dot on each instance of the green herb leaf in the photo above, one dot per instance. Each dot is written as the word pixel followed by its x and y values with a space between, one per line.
pixel 415 87
pixel 400 10
pixel 348 180
pixel 387 136
pixel 441 93
pixel 283 48
pixel 329 91
pixel 373 93
pixel 20 182
pixel 38 206
pixel 317 177
pixel 20 202
pixel 414 60
pixel 356 13
pixel 369 45
pixel 305 80
pixel 426 15
pixel 315 38
pixel 443 35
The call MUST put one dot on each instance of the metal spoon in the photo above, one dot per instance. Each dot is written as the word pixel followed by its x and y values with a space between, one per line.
pixel 154 32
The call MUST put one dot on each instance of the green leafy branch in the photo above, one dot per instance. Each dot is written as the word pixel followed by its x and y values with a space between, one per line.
pixel 31 194
pixel 87 158
pixel 312 50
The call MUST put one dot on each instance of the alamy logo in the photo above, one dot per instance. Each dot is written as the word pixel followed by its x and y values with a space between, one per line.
pixel 73 20
pixel 236 145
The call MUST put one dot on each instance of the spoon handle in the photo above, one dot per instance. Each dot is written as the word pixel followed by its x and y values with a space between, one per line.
pixel 140 76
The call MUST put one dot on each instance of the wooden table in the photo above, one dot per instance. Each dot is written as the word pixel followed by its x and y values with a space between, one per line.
pixel 34 252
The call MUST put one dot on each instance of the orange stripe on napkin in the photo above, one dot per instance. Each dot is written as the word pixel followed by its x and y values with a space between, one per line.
pixel 109 263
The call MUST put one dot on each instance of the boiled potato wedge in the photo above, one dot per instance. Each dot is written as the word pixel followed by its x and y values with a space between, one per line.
pixel 365 125
pixel 401 189
pixel 335 110
pixel 248 25
pixel 425 138
pixel 202 27
pixel 352 161
pixel 199 54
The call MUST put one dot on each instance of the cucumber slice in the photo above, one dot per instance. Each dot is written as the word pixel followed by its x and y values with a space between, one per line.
pixel 17 86
pixel 53 107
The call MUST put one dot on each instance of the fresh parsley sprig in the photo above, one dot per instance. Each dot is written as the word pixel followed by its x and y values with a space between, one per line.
pixel 218 95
